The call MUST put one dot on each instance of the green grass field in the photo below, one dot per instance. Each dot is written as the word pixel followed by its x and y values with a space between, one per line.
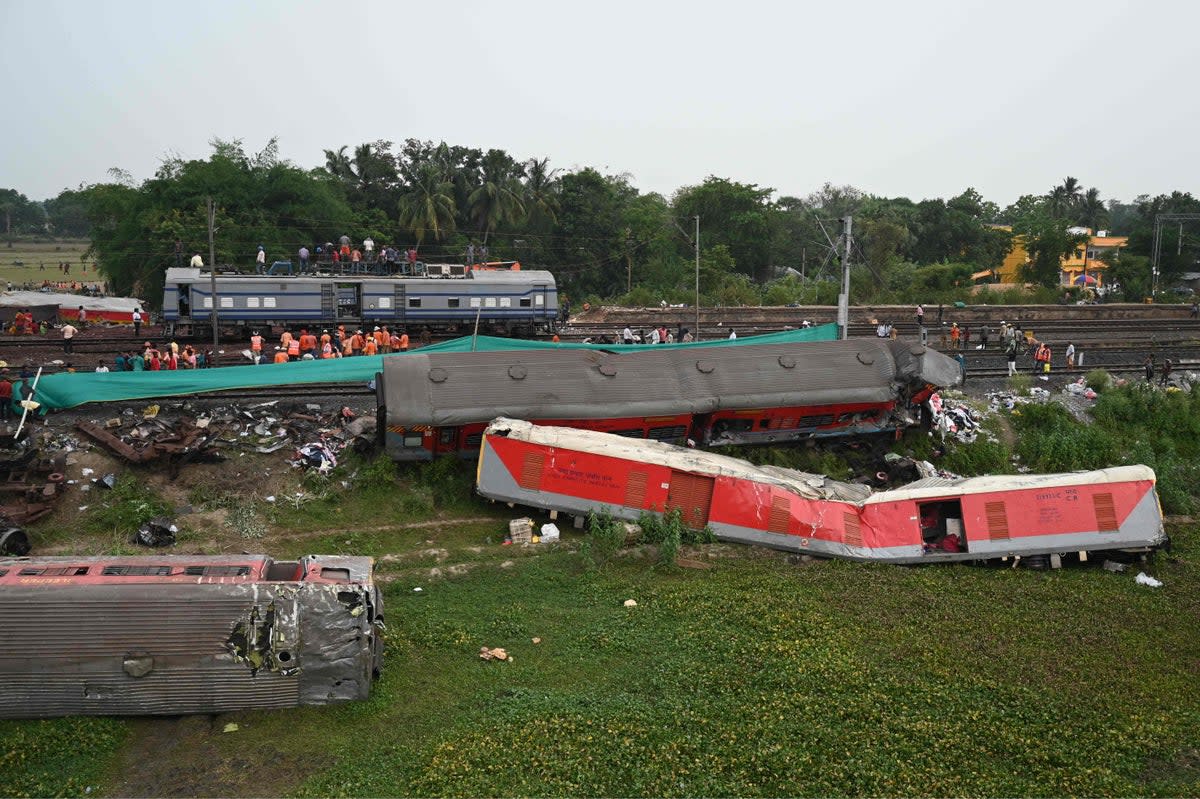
pixel 20 263
pixel 756 677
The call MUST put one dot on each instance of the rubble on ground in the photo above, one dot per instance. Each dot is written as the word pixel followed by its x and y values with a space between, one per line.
pixel 311 435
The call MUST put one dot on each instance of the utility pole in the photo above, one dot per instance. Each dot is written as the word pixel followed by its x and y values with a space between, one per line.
pixel 844 297
pixel 696 337
pixel 212 274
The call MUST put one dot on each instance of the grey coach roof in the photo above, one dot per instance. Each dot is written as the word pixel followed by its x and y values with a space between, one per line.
pixel 459 388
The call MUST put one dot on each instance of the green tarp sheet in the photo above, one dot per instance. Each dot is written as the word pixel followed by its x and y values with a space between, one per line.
pixel 67 390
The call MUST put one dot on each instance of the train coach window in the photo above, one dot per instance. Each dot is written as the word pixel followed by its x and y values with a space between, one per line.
pixel 635 432
pixel 452 302
pixel 136 571
pixel 506 302
pixel 447 435
pixel 414 302
pixel 411 440
pixel 268 302
pixel 218 571
pixel 526 302
pixel 667 433
pixel 539 300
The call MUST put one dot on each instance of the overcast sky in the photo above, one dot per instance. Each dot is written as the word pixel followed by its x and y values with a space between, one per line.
pixel 895 97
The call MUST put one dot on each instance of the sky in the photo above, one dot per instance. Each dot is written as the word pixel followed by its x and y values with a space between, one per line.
pixel 895 97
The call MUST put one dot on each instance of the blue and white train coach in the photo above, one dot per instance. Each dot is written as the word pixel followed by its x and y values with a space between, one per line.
pixel 520 302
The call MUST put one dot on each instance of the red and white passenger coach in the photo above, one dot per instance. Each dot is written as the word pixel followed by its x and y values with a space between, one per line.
pixel 930 520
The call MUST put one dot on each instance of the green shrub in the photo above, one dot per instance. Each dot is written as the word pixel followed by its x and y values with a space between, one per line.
pixel 1098 380
pixel 1051 440
pixel 982 456
pixel 126 507
pixel 607 535
pixel 1020 383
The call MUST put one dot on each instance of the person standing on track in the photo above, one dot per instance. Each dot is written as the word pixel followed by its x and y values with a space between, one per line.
pixel 920 315
pixel 137 322
pixel 256 345
pixel 1070 356
pixel 68 334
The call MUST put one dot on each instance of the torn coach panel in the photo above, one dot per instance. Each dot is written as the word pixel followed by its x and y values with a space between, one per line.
pixel 176 635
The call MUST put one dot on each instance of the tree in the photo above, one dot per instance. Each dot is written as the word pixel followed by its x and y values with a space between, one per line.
pixel 738 215
pixel 1091 211
pixel 427 204
pixel 1064 199
pixel 498 198
pixel 19 215
pixel 1047 240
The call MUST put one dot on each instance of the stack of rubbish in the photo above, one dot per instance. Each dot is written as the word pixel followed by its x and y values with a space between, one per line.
pixel 1080 388
pixel 953 418
pixel 520 531
pixel 313 437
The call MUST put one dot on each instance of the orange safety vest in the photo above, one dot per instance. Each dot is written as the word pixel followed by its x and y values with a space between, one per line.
pixel 369 348
pixel 326 349
pixel 256 343
pixel 281 357
pixel 293 347
pixel 404 342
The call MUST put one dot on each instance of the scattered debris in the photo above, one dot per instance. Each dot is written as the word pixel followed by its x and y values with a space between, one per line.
pixel 158 532
pixel 1114 566
pixel 315 456
pixel 493 654
pixel 953 418
pixel 13 541
pixel 1145 579
pixel 630 603
pixel 231 727
pixel 536 640
pixel 550 533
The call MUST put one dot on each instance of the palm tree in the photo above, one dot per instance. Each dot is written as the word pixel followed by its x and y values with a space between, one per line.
pixel 1064 199
pixel 541 191
pixel 497 199
pixel 1092 211
pixel 340 165
pixel 427 203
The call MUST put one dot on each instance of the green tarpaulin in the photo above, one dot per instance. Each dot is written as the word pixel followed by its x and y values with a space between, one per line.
pixel 66 390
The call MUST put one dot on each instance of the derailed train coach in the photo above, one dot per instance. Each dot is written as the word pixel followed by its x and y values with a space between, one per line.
pixel 742 393
pixel 519 302
pixel 934 519
pixel 176 635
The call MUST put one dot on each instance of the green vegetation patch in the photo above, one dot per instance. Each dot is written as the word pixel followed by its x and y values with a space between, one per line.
pixel 57 757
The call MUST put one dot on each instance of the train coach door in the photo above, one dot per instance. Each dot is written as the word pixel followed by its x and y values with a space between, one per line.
pixel 349 300
pixel 543 310
pixel 692 495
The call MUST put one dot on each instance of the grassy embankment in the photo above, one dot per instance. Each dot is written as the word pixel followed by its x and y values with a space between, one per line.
pixel 755 677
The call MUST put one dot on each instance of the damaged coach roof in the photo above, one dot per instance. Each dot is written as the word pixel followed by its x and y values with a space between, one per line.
pixel 459 388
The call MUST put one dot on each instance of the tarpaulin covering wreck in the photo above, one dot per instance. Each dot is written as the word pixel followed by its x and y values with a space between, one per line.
pixel 185 634
pixel 933 519
pixel 66 390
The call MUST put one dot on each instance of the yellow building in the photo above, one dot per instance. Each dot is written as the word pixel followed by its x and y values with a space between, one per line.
pixel 1086 265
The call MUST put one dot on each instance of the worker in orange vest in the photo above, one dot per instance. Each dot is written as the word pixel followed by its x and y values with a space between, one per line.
pixel 404 341
pixel 256 344
pixel 293 349
pixel 347 347
pixel 383 340
pixel 369 346
pixel 308 343
pixel 356 342
pixel 280 355
pixel 326 348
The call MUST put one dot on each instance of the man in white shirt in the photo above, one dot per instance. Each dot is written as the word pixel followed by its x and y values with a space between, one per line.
pixel 627 335
pixel 260 261
pixel 197 262
pixel 733 334
pixel 101 367
pixel 137 321
pixel 68 334
pixel 369 244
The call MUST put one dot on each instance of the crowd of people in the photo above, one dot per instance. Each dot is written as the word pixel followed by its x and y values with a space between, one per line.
pixel 340 343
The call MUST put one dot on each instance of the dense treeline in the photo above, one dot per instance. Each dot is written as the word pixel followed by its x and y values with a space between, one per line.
pixel 598 233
